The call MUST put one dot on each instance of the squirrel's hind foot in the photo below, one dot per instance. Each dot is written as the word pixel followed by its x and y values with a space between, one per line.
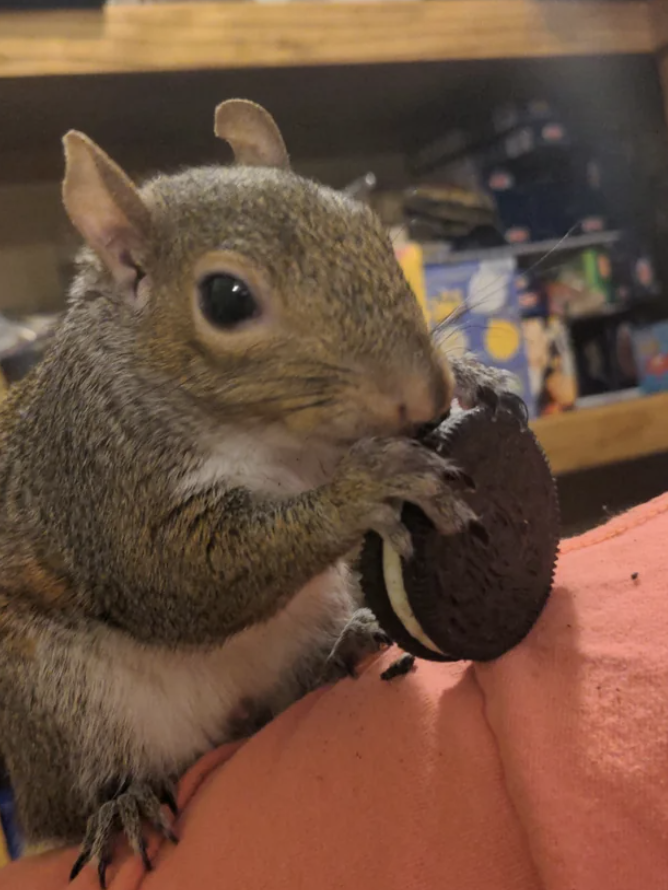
pixel 361 636
pixel 125 812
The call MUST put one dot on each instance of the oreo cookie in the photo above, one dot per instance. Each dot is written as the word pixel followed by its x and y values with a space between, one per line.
pixel 477 594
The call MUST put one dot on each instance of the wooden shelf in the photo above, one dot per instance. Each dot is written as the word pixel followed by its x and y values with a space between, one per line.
pixel 177 37
pixel 594 437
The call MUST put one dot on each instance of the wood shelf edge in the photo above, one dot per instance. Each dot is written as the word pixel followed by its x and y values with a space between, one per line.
pixel 594 437
pixel 174 37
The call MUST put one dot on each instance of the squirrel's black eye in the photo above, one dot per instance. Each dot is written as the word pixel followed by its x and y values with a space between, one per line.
pixel 226 301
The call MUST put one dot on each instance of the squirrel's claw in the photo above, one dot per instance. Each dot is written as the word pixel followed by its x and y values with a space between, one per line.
pixel 477 384
pixel 82 859
pixel 504 400
pixel 125 812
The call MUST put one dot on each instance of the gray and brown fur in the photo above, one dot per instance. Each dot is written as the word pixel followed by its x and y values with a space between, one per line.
pixel 140 569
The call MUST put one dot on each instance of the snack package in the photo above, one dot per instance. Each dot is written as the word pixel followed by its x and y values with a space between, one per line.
pixel 581 284
pixel 552 376
pixel 474 305
pixel 409 255
pixel 651 351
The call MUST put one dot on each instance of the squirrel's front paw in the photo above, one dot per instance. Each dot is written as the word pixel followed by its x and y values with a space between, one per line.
pixel 379 474
pixel 478 385
pixel 361 636
pixel 124 812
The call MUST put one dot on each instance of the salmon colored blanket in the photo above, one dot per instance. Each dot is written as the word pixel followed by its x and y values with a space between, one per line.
pixel 547 770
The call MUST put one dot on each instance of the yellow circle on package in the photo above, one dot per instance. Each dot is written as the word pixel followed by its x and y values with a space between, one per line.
pixel 502 339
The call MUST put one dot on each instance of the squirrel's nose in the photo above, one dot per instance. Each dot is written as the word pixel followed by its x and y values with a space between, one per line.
pixel 425 399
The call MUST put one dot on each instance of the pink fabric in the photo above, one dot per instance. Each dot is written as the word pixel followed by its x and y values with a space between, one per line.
pixel 546 770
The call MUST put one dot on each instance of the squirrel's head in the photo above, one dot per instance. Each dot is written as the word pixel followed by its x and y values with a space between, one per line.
pixel 264 296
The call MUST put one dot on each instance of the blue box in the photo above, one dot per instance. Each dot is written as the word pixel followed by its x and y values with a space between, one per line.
pixel 651 351
pixel 480 297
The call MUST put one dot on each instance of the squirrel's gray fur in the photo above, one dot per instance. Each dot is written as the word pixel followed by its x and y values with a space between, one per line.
pixel 176 504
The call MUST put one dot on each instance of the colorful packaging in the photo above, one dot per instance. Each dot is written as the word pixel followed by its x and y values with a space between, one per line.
pixel 651 351
pixel 531 294
pixel 474 303
pixel 552 377
pixel 581 284
pixel 411 260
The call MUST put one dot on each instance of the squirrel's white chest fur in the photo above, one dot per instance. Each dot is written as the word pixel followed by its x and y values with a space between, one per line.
pixel 271 462
pixel 170 707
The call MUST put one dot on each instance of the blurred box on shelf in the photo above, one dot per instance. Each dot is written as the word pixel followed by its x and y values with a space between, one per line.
pixel 575 285
pixel 514 206
pixel 450 203
pixel 563 330
pixel 632 271
pixel 546 203
pixel 478 306
pixel 533 140
pixel 474 306
pixel 581 284
pixel 509 132
pixel 544 180
pixel 531 294
pixel 651 353
pixel 604 353
pixel 463 217
pixel 551 365
pixel 597 279
pixel 411 259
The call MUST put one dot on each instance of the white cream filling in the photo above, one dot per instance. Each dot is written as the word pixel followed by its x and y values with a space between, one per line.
pixel 396 593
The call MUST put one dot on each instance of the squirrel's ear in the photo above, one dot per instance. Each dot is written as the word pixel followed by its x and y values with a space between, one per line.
pixel 252 132
pixel 104 206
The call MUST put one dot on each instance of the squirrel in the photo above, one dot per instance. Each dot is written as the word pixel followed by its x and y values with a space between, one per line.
pixel 226 410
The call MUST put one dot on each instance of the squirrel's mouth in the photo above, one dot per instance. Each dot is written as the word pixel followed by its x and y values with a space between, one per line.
pixel 426 429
